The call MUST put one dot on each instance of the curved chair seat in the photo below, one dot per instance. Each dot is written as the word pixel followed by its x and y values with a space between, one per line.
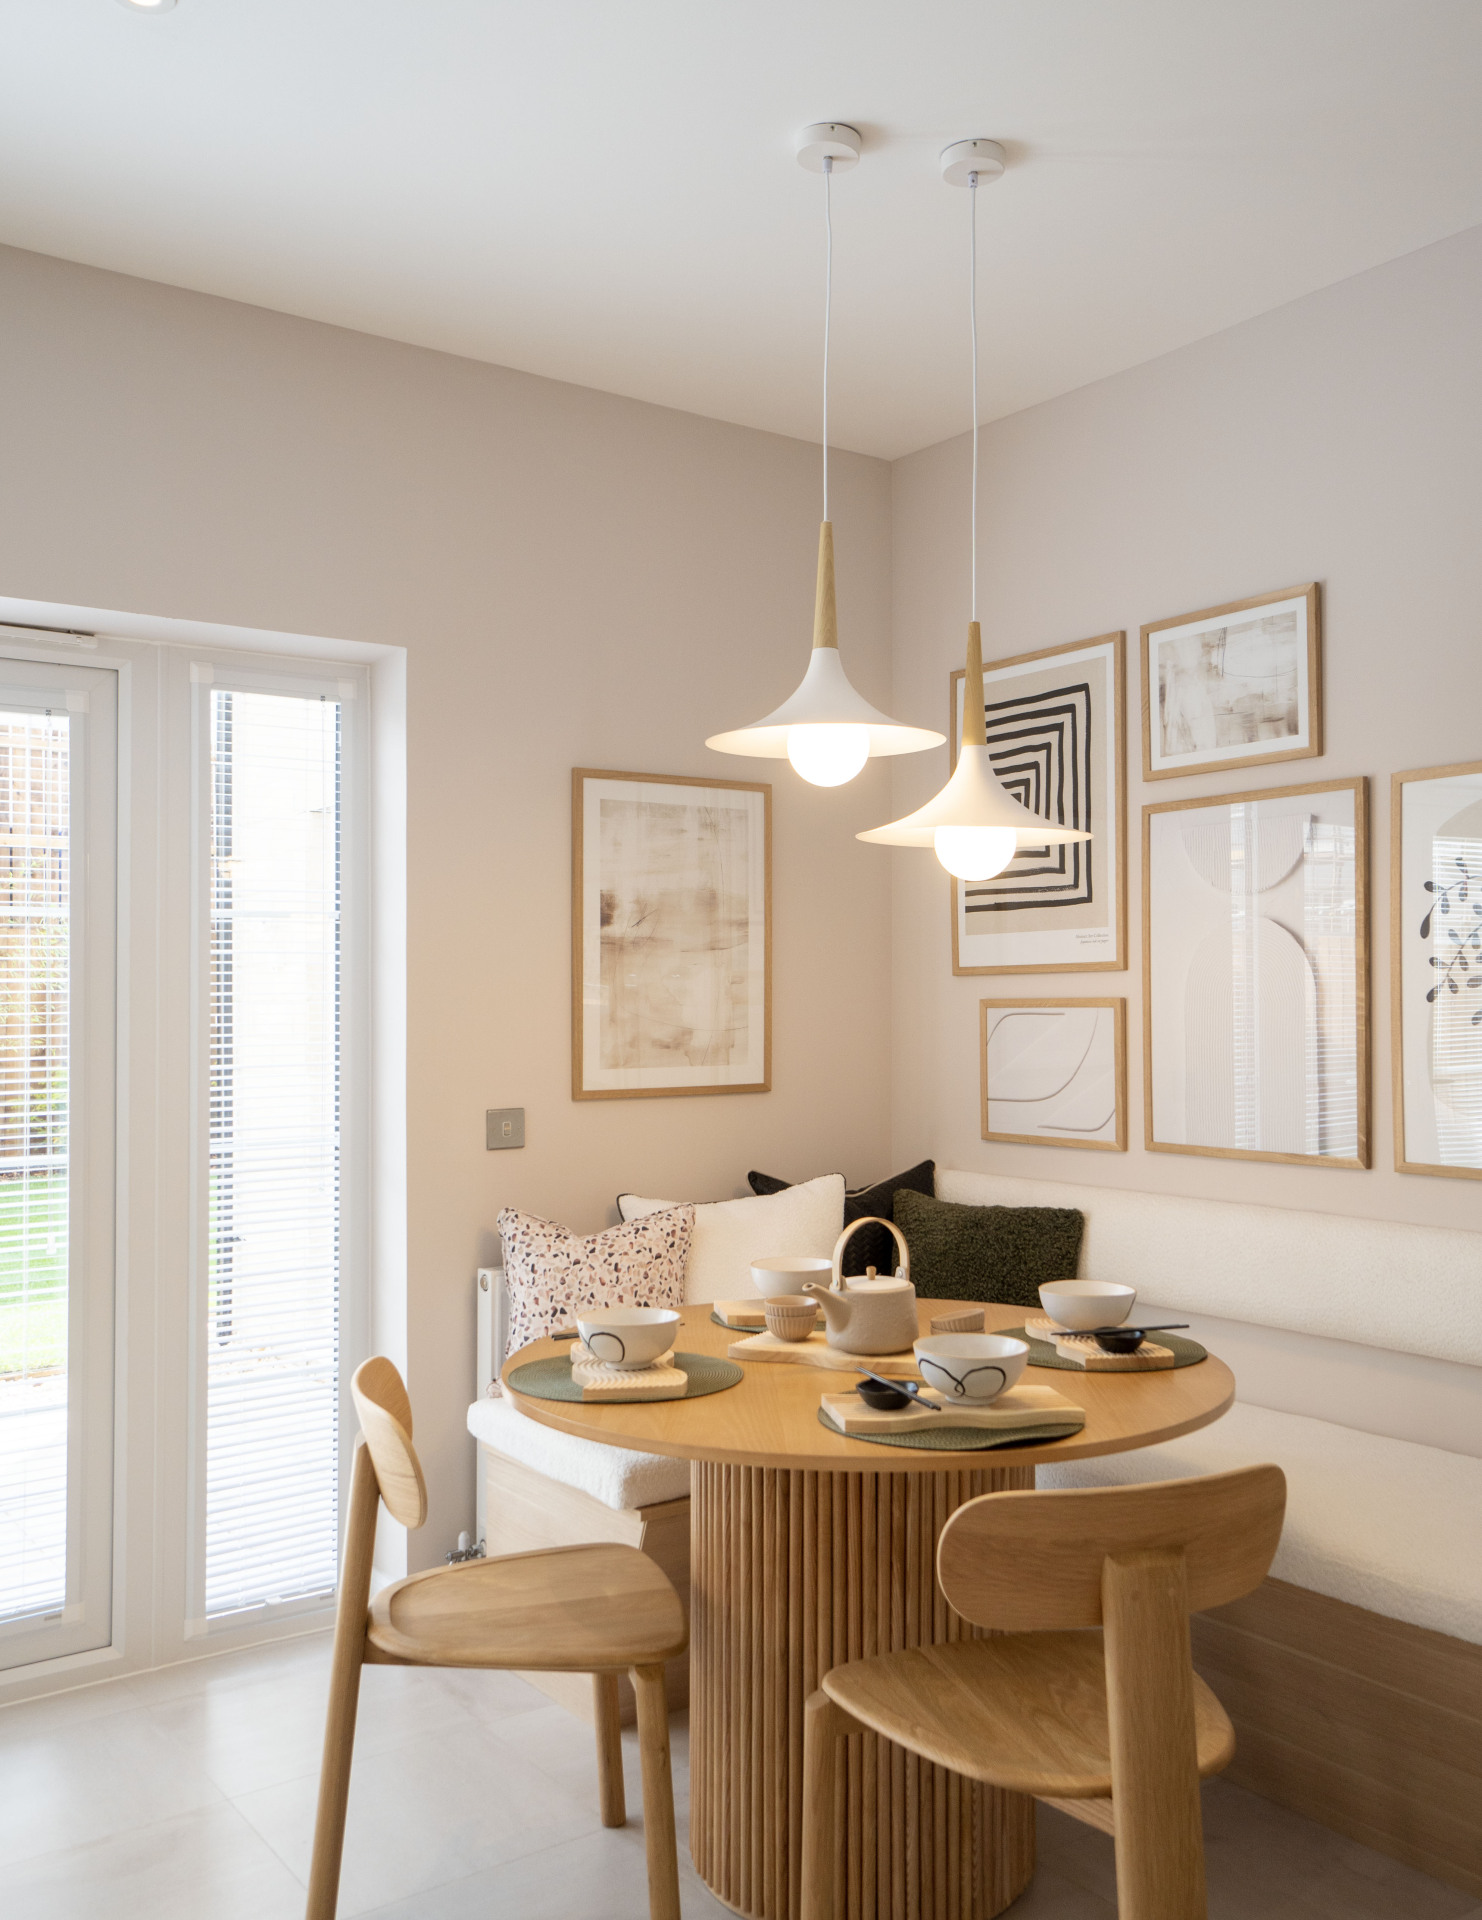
pixel 566 1609
pixel 1026 1712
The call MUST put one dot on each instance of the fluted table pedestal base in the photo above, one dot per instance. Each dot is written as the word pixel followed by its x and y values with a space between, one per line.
pixel 793 1573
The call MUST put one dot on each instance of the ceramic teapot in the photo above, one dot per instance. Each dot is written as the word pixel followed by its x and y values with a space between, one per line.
pixel 871 1315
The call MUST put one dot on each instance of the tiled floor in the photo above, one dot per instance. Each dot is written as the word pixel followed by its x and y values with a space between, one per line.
pixel 188 1794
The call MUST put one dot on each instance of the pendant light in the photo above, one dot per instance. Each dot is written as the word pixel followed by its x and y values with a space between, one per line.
pixel 974 826
pixel 826 729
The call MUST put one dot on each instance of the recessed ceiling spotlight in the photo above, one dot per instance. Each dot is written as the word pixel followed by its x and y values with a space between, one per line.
pixel 147 6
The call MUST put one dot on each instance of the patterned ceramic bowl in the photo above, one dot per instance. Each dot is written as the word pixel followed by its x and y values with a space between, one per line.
pixel 973 1368
pixel 965 1320
pixel 627 1337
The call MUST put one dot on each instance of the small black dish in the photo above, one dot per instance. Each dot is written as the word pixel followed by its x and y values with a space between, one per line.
pixel 1128 1339
pixel 886 1396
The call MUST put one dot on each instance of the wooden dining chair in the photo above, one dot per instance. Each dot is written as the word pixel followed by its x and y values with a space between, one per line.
pixel 1087 1698
pixel 602 1610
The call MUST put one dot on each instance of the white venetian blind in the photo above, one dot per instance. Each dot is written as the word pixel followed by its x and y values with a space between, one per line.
pixel 273 1293
pixel 35 862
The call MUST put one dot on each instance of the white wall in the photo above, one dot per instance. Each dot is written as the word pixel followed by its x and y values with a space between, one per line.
pixel 577 580
pixel 1336 439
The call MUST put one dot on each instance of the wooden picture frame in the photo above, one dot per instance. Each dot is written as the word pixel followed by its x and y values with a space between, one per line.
pixel 1208 706
pixel 643 1006
pixel 1428 983
pixel 1332 1041
pixel 1067 1131
pixel 1024 936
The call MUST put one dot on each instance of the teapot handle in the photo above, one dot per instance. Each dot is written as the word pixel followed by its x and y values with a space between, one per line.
pixel 868 1220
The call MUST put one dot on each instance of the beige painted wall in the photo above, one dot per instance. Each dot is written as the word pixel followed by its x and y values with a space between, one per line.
pixel 1337 439
pixel 577 580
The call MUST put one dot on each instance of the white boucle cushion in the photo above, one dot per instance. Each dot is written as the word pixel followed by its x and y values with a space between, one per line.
pixel 1384 1524
pixel 614 1475
pixel 551 1273
pixel 730 1234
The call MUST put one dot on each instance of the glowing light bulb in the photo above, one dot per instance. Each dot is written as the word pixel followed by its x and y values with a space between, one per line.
pixel 827 756
pixel 975 853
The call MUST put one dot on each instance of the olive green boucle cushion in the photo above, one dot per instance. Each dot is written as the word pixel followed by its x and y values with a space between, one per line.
pixel 993 1254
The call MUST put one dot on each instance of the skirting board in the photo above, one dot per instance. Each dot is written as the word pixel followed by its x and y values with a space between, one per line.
pixel 526 1511
pixel 1368 1725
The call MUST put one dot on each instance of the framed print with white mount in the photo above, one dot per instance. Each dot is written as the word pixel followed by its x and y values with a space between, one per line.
pixel 1053 1073
pixel 1234 686
pixel 671 935
pixel 1435 896
pixel 1054 723
pixel 1255 975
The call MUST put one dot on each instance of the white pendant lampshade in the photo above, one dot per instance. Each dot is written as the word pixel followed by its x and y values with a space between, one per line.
pixel 973 825
pixel 825 729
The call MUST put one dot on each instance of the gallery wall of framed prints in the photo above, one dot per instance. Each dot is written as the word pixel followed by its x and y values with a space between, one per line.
pixel 671 930
pixel 1436 969
pixel 1055 728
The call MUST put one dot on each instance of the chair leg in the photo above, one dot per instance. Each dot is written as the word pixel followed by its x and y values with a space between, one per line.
pixel 824 1726
pixel 609 1750
pixel 658 1793
pixel 344 1690
pixel 1154 1756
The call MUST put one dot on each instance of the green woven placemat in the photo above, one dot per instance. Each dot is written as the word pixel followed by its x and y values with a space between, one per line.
pixel 960 1439
pixel 1186 1353
pixel 551 1379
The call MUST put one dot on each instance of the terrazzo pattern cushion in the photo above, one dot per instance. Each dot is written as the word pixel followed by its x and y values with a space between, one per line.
pixel 730 1234
pixel 551 1272
pixel 874 1247
pixel 1002 1254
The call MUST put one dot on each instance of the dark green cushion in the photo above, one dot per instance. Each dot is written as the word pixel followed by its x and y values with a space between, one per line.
pixel 1002 1254
pixel 871 1246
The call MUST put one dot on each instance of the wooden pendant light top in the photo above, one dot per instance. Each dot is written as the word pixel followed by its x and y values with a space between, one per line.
pixel 974 733
pixel 825 608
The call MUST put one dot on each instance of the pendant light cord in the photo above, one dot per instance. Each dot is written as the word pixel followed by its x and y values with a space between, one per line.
pixel 972 310
pixel 828 294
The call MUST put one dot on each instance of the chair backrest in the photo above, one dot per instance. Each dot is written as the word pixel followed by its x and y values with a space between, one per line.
pixel 386 1421
pixel 1022 1561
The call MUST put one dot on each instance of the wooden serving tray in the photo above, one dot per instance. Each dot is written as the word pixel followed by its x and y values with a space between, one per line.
pixel 744 1315
pixel 602 1382
pixel 816 1352
pixel 1082 1351
pixel 1018 1407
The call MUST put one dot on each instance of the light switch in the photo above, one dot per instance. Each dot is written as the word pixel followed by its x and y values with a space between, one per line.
pixel 504 1127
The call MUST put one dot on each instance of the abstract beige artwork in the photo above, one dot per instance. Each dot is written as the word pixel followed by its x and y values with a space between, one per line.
pixel 671 936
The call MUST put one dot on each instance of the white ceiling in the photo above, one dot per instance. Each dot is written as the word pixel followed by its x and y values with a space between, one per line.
pixel 604 190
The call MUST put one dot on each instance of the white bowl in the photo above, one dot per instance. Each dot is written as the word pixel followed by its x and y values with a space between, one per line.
pixel 774 1273
pixel 627 1337
pixel 1087 1303
pixel 971 1367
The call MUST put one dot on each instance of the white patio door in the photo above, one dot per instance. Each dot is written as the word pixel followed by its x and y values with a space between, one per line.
pixel 58 812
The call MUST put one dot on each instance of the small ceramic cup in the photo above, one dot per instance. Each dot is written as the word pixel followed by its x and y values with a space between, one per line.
pixel 791 1316
pixel 965 1320
pixel 972 1368
pixel 1087 1303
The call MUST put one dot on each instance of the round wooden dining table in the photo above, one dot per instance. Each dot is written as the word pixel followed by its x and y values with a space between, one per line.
pixel 808 1549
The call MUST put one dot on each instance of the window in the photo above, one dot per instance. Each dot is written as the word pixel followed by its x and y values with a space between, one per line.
pixel 57 747
pixel 271 1321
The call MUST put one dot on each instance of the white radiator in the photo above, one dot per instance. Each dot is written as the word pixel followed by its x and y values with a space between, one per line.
pixel 493 1333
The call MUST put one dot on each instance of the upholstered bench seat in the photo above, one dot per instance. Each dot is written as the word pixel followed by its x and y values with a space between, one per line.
pixel 1380 1523
pixel 616 1476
